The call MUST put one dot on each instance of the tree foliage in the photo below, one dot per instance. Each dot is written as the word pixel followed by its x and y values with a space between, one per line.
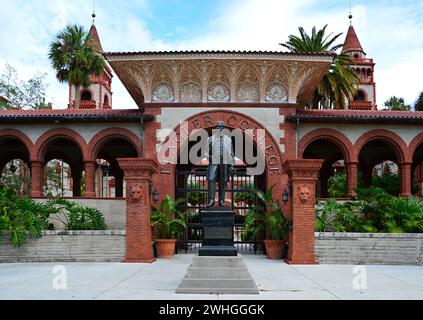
pixel 73 58
pixel 418 106
pixel 339 83
pixel 22 94
pixel 396 104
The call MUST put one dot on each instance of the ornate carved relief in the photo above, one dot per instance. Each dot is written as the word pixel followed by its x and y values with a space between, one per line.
pixel 276 93
pixel 228 78
pixel 163 92
pixel 190 92
pixel 248 92
pixel 218 92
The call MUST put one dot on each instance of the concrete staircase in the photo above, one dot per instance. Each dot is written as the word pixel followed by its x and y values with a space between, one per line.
pixel 217 275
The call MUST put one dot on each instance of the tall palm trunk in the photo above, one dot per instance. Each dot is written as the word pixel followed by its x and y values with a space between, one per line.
pixel 77 97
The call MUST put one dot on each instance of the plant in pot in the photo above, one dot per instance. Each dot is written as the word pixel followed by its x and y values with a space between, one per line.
pixel 269 214
pixel 168 223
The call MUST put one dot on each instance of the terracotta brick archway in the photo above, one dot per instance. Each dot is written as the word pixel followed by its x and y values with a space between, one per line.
pixel 402 153
pixel 346 148
pixel 233 120
pixel 105 135
pixel 334 136
pixel 43 142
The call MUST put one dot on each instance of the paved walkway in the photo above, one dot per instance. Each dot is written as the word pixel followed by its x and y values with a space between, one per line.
pixel 275 280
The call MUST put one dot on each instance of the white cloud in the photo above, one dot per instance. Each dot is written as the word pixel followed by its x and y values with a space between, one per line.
pixel 390 32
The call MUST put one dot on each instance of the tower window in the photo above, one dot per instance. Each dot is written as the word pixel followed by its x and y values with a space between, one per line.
pixel 356 56
pixel 360 96
pixel 86 95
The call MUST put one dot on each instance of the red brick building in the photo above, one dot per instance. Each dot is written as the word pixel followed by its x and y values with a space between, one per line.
pixel 248 90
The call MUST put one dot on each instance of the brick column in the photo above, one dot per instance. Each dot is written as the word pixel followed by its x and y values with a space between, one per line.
pixel 405 169
pixel 302 177
pixel 138 172
pixel 37 178
pixel 89 179
pixel 352 171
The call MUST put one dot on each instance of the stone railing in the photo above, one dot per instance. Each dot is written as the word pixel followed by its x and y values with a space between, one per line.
pixel 66 246
pixel 369 248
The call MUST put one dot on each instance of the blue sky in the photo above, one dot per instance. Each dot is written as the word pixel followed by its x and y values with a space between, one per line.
pixel 390 32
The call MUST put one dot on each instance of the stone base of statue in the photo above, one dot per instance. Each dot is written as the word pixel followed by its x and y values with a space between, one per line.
pixel 218 232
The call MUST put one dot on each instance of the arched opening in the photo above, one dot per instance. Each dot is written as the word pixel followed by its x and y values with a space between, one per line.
pixel 63 169
pixel 86 95
pixel 332 175
pixel 14 165
pixel 191 184
pixel 378 165
pixel 109 176
pixel 360 96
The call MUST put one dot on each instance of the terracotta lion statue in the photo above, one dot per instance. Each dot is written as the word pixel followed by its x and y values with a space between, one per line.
pixel 304 193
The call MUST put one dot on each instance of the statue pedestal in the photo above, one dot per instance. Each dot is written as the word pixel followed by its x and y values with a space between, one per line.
pixel 218 232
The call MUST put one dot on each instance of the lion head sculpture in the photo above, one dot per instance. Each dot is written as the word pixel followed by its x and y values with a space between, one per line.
pixel 304 192
pixel 136 192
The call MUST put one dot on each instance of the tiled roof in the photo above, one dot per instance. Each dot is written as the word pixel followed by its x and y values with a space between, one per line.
pixel 351 41
pixel 380 116
pixel 69 115
pixel 95 42
pixel 246 52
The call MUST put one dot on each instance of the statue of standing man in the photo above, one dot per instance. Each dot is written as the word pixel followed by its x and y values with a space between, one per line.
pixel 221 161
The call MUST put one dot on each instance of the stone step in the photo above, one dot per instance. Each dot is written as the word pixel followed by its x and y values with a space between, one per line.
pixel 218 283
pixel 217 291
pixel 217 262
pixel 218 273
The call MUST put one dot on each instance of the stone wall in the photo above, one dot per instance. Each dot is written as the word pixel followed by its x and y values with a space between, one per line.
pixel 369 248
pixel 66 246
pixel 114 211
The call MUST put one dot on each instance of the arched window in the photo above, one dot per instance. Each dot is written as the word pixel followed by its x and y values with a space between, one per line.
pixel 360 96
pixel 86 95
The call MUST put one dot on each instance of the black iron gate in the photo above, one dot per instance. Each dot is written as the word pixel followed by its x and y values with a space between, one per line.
pixel 191 185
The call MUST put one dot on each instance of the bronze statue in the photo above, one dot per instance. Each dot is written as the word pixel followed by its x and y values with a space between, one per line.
pixel 221 161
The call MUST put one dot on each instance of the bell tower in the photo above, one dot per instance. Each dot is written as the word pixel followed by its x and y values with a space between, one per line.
pixel 99 94
pixel 365 98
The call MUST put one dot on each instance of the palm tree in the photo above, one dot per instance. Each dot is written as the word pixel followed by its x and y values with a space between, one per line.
pixel 74 59
pixel 419 103
pixel 339 83
pixel 396 104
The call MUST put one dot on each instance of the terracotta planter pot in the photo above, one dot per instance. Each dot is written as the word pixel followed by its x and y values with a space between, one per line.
pixel 274 248
pixel 165 248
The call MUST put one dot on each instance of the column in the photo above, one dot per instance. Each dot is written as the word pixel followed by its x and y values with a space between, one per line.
pixel 89 179
pixel 352 169
pixel 138 172
pixel 302 177
pixel 37 178
pixel 405 170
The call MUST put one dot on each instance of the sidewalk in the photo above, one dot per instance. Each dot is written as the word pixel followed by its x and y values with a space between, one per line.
pixel 275 280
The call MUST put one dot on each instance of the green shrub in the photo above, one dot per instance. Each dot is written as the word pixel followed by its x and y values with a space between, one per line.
pixel 167 219
pixel 374 211
pixel 77 217
pixel 22 216
pixel 337 186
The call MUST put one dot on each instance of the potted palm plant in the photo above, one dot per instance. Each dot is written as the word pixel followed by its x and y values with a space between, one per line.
pixel 268 214
pixel 168 222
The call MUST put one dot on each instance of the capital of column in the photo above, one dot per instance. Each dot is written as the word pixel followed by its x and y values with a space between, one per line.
pixel 138 167
pixel 303 168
